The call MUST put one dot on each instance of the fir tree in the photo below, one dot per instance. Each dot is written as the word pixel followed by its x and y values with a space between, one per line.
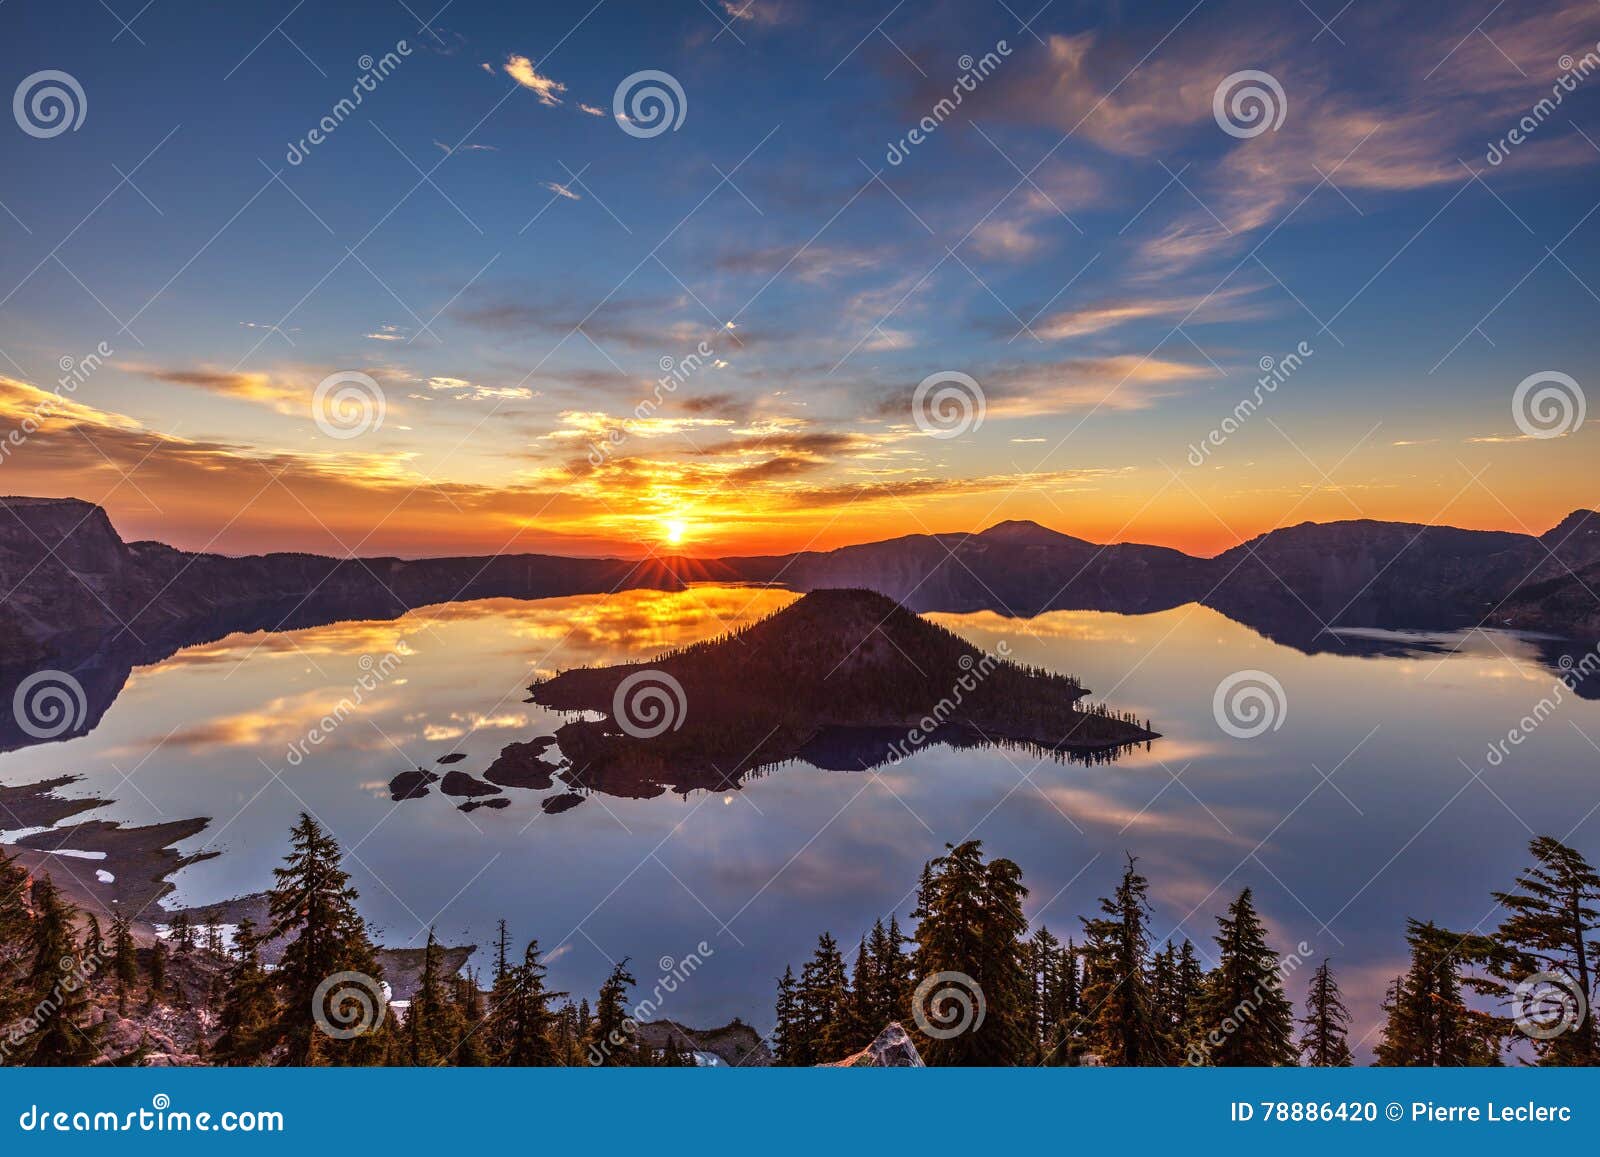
pixel 822 1001
pixel 58 988
pixel 1427 1020
pixel 313 904
pixel 249 1007
pixel 613 1043
pixel 1124 1028
pixel 971 924
pixel 786 1040
pixel 1245 1016
pixel 181 932
pixel 523 1019
pixel 1552 915
pixel 434 1024
pixel 1327 1023
pixel 124 958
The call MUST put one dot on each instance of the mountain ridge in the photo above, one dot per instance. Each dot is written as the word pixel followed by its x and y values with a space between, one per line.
pixel 76 585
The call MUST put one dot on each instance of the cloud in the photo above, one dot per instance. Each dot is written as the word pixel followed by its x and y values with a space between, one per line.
pixel 560 190
pixel 521 70
pixel 250 387
pixel 591 109
pixel 1083 321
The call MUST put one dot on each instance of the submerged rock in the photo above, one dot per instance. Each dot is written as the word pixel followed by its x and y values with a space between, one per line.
pixel 453 757
pixel 475 804
pixel 557 804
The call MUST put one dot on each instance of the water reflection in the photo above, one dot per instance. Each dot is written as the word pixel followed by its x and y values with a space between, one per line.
pixel 1372 802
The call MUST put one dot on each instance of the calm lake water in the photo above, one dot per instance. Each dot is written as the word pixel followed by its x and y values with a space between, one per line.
pixel 1359 810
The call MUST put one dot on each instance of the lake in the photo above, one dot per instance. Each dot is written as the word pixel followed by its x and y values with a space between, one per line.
pixel 1367 797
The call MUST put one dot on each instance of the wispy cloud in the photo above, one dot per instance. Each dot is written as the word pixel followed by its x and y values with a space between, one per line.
pixel 521 70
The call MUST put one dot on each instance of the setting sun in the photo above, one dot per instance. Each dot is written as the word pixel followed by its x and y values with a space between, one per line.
pixel 675 529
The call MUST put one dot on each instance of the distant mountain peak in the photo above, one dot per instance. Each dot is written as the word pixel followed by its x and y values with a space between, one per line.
pixel 1024 530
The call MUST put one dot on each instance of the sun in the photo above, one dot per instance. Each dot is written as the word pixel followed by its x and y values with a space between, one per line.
pixel 675 529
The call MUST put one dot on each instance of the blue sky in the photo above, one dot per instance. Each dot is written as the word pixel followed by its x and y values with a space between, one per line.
pixel 1081 237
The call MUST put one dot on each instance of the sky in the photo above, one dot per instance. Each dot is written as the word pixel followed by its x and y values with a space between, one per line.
pixel 510 301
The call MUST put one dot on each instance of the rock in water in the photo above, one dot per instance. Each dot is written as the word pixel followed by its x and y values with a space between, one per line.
pixel 557 804
pixel 522 765
pixel 459 783
pixel 893 1049
pixel 411 784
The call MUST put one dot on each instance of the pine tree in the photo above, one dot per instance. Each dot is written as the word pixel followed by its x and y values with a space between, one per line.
pixel 124 957
pixel 786 1042
pixel 313 904
pixel 58 988
pixel 523 1019
pixel 823 1006
pixel 1427 1019
pixel 249 1008
pixel 970 931
pixel 16 930
pixel 158 971
pixel 1245 1016
pixel 181 932
pixel 434 1024
pixel 1327 1023
pixel 1124 1029
pixel 1552 916
pixel 613 1043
